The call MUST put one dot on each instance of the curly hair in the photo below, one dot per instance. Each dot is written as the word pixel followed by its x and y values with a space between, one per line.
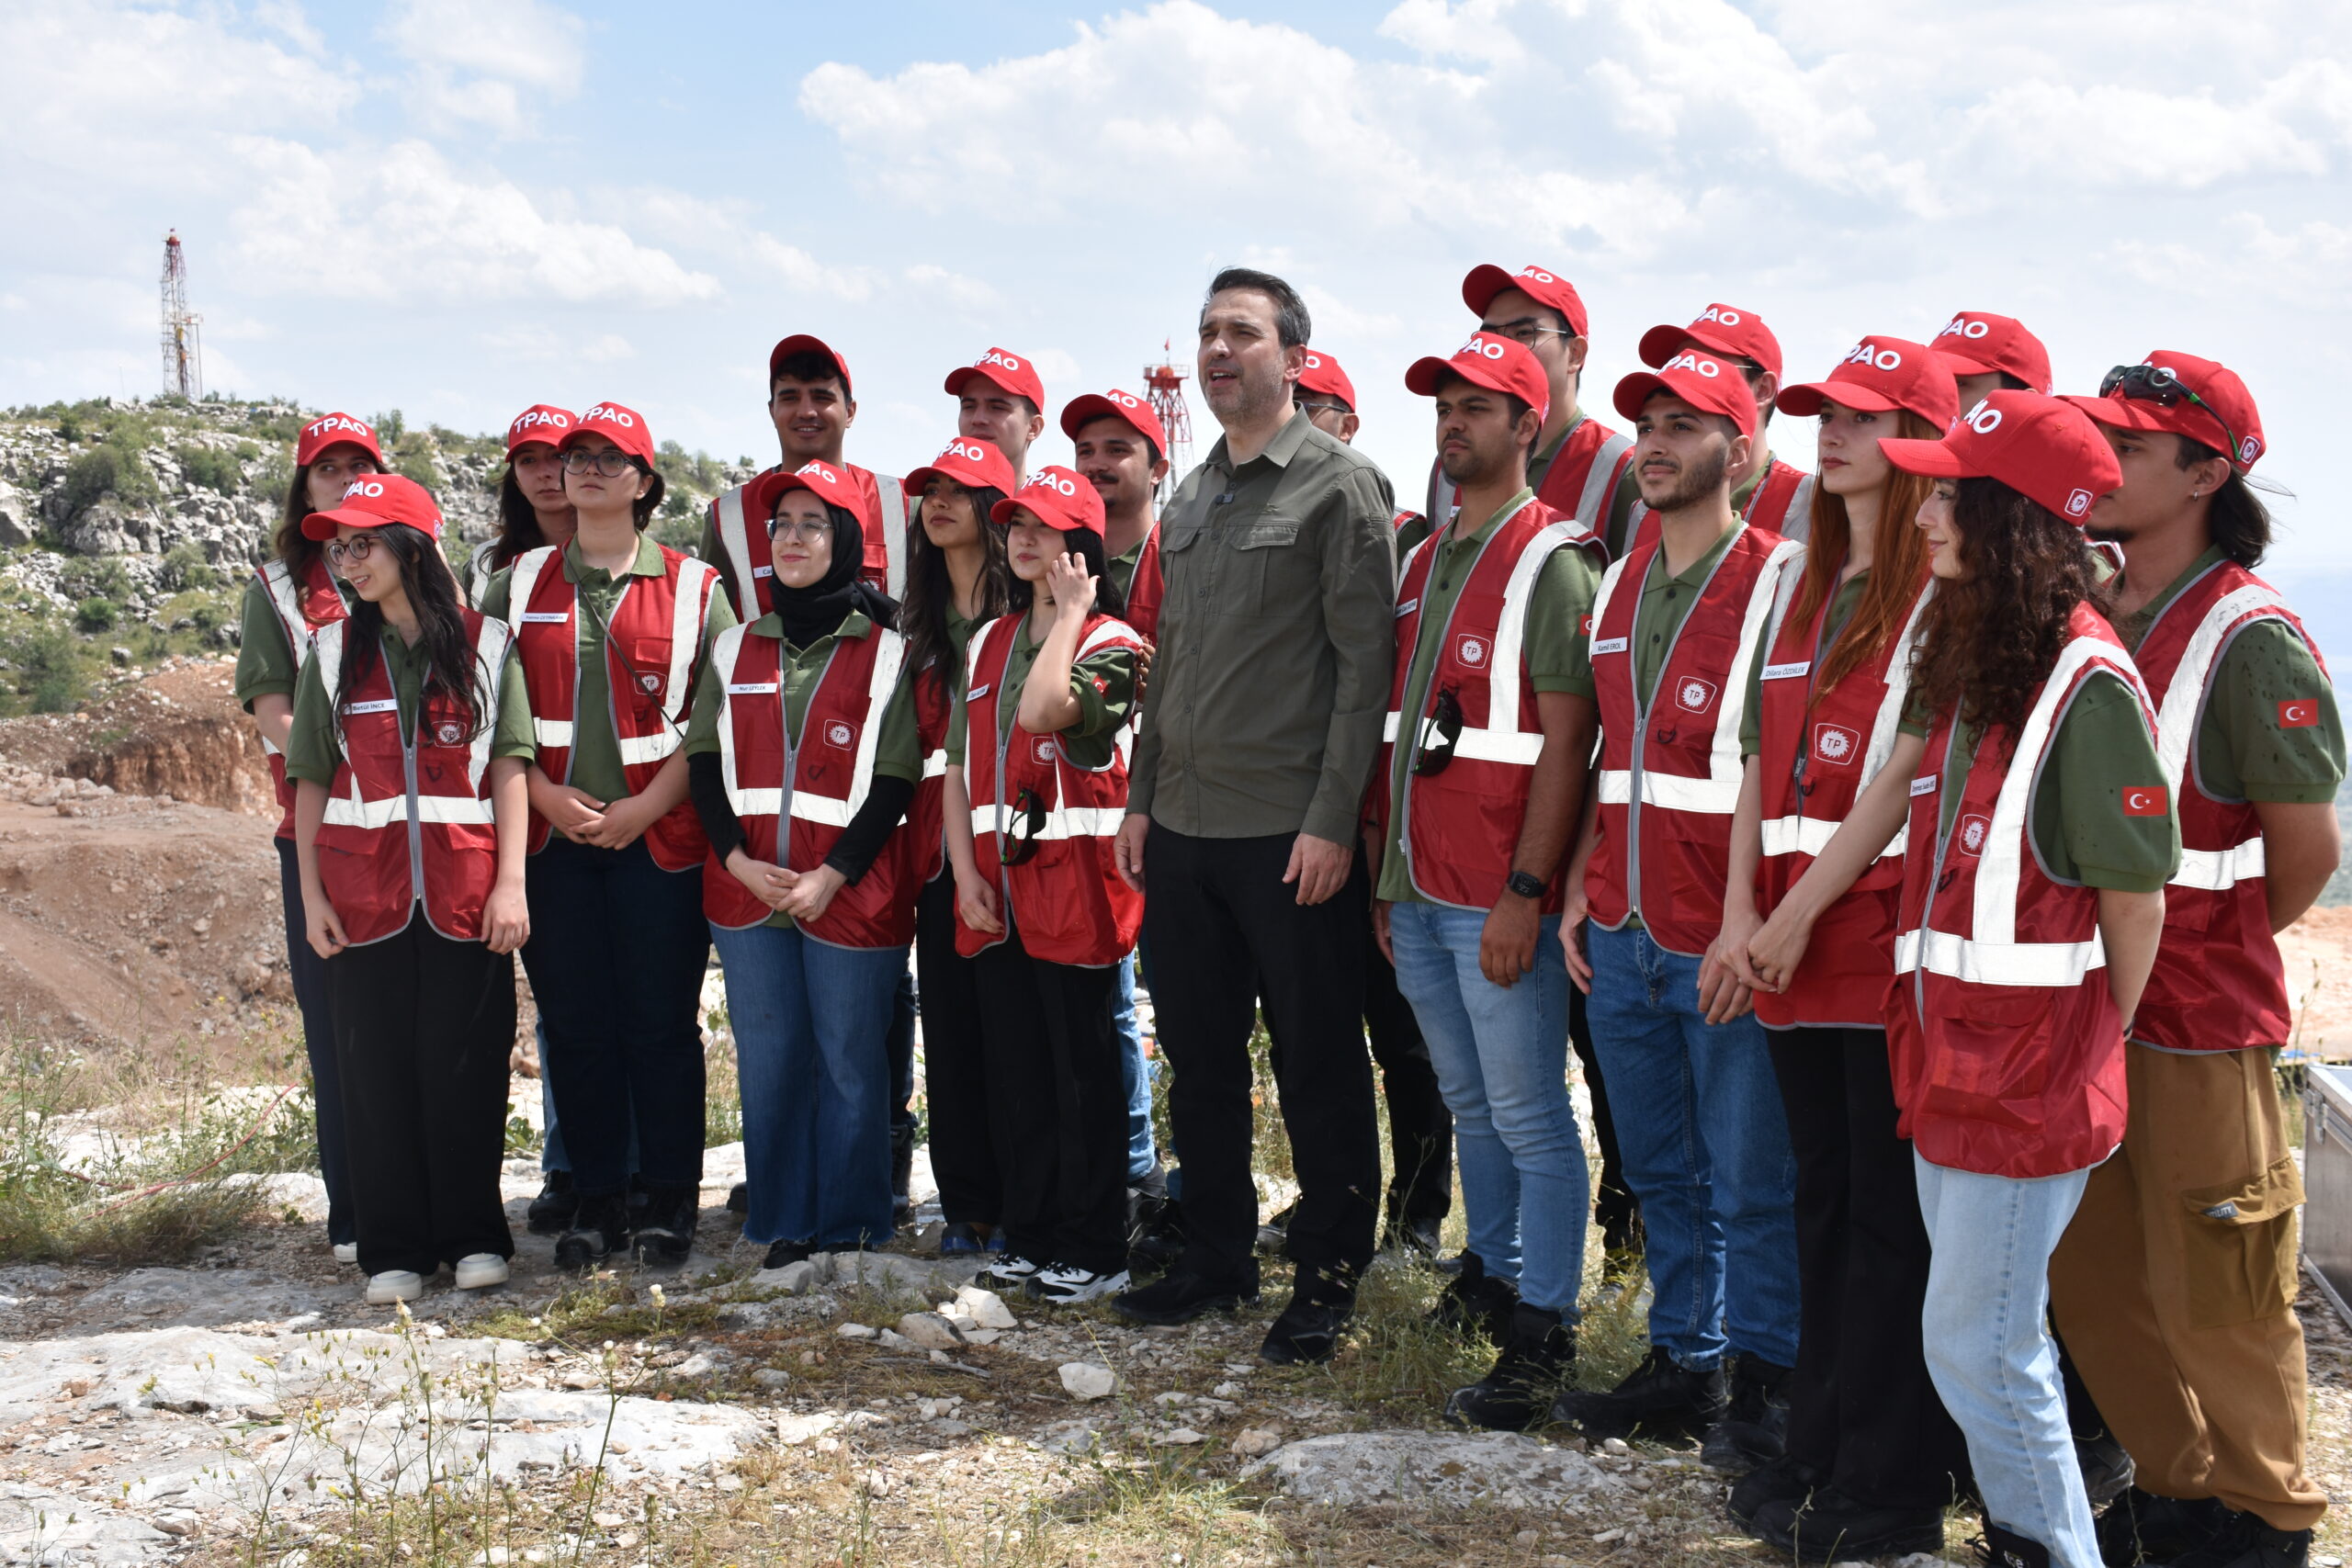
pixel 1988 640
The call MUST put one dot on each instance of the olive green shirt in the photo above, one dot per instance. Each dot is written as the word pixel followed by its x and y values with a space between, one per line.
pixel 1557 656
pixel 1276 643
pixel 1103 683
pixel 1121 568
pixel 312 749
pixel 2245 751
pixel 1842 610
pixel 898 752
pixel 1665 600
pixel 1621 502
pixel 596 765
pixel 265 664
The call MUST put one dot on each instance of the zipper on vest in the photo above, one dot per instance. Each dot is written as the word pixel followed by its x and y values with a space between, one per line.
pixel 415 827
pixel 1641 713
pixel 1405 800
pixel 1003 740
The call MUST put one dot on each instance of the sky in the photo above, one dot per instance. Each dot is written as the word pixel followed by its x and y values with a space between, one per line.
pixel 460 207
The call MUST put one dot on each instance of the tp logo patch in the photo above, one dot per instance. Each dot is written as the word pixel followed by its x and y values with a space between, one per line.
pixel 450 732
pixel 649 684
pixel 1972 830
pixel 1835 743
pixel 1043 749
pixel 2145 800
pixel 1471 650
pixel 1695 694
pixel 839 733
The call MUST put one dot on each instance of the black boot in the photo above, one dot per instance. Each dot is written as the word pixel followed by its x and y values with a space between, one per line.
pixel 1830 1527
pixel 1308 1329
pixel 2107 1469
pixel 2245 1542
pixel 598 1230
pixel 1159 1239
pixel 665 1232
pixel 1475 1302
pixel 1274 1232
pixel 2141 1526
pixel 1537 1356
pixel 902 1174
pixel 1179 1296
pixel 551 1213
pixel 739 1198
pixel 1756 1420
pixel 1784 1483
pixel 2006 1549
pixel 1661 1395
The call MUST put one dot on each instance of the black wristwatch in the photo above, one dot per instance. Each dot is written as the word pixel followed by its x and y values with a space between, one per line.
pixel 1525 884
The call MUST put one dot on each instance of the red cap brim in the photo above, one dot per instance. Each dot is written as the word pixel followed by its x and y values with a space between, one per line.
pixel 1805 400
pixel 324 524
pixel 1934 459
pixel 2130 414
pixel 1478 289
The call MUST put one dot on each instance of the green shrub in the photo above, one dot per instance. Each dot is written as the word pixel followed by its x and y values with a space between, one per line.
pixel 48 667
pixel 214 469
pixel 185 567
pixel 107 469
pixel 390 427
pixel 104 577
pixel 94 615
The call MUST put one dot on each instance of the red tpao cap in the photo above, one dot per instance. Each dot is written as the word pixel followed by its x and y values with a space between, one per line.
pixel 334 430
pixel 1320 373
pixel 1543 287
pixel 378 501
pixel 819 479
pixel 2046 450
pixel 541 425
pixel 1726 329
pixel 1978 344
pixel 1135 414
pixel 625 428
pixel 1706 383
pixel 1059 498
pixel 1497 363
pixel 1881 374
pixel 802 343
pixel 2228 421
pixel 1010 371
pixel 970 462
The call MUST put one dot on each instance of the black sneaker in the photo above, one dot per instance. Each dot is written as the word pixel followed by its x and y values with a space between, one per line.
pixel 960 1239
pixel 2006 1549
pixel 665 1232
pixel 2245 1542
pixel 1517 1394
pixel 2141 1526
pixel 1475 1302
pixel 1661 1395
pixel 1160 1246
pixel 1755 1421
pixel 781 1253
pixel 902 1174
pixel 1275 1231
pixel 551 1213
pixel 1833 1528
pixel 1418 1237
pixel 2106 1469
pixel 1786 1482
pixel 598 1230
pixel 739 1198
pixel 1180 1295
pixel 1308 1329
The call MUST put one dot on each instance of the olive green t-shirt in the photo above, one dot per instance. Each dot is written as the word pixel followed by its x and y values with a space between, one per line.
pixel 595 764
pixel 1620 502
pixel 265 664
pixel 898 753
pixel 1665 601
pixel 2246 749
pixel 1842 610
pixel 1121 568
pixel 1103 683
pixel 311 749
pixel 1557 655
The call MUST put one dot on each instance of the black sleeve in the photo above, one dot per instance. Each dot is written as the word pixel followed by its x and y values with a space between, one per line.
pixel 885 804
pixel 706 784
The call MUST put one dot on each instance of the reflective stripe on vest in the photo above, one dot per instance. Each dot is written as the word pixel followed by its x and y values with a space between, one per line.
pixel 894 534
pixel 479 571
pixel 2214 870
pixel 1062 821
pixel 277 584
pixel 492 641
pixel 734 538
pixel 806 806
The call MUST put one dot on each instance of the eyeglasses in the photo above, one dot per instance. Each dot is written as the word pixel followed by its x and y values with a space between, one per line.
pixel 1019 840
pixel 799 530
pixel 2154 384
pixel 358 547
pixel 1527 332
pixel 610 461
pixel 1439 732
pixel 1311 409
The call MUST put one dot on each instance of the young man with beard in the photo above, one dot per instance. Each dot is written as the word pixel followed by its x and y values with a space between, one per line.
pixel 1771 494
pixel 999 399
pixel 1706 1147
pixel 1490 725
pixel 1122 451
pixel 1259 737
pixel 2174 1284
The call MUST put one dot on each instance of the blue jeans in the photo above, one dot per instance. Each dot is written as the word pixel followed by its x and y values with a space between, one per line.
pixel 1501 1057
pixel 1135 1076
pixel 810 1021
pixel 1706 1150
pixel 1992 1359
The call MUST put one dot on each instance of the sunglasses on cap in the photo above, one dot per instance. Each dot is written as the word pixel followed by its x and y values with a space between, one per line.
pixel 1440 732
pixel 2154 384
pixel 1018 843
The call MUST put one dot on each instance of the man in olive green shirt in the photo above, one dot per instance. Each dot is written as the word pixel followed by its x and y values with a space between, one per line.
pixel 1268 689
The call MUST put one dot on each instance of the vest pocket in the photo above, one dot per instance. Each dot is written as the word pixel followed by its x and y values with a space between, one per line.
pixel 2238 1246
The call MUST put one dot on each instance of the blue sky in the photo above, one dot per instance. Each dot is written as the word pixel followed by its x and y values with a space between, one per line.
pixel 461 206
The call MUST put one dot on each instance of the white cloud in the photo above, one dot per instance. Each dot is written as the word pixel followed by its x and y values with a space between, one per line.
pixel 477 60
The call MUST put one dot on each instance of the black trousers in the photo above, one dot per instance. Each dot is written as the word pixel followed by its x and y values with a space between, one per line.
pixel 1057 1105
pixel 1614 1208
pixel 956 1078
pixel 1860 1406
pixel 1420 1129
pixel 423 1026
pixel 616 957
pixel 1224 928
pixel 309 973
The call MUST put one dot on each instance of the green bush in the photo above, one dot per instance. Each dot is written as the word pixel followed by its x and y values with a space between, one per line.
pixel 214 469
pixel 48 667
pixel 185 567
pixel 104 577
pixel 390 427
pixel 94 615
pixel 107 469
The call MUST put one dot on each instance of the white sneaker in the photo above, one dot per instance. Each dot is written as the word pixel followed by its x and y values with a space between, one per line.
pixel 347 1252
pixel 1062 1285
pixel 1011 1273
pixel 478 1270
pixel 394 1285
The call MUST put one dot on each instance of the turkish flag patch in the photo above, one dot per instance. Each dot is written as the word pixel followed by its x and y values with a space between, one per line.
pixel 2146 800
pixel 2298 712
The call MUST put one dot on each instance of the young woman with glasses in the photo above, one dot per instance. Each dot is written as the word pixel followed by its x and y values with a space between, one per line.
pixel 612 629
pixel 1036 788
pixel 803 757
pixel 292 597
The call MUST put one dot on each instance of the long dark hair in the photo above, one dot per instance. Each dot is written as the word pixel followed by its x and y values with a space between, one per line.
pixel 931 592
pixel 2240 523
pixel 433 594
pixel 297 549
pixel 1087 545
pixel 518 523
pixel 1988 640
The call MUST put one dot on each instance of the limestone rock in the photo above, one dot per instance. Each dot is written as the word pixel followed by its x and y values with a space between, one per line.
pixel 930 1331
pixel 1088 1379
pixel 1450 1470
pixel 1252 1441
pixel 985 1308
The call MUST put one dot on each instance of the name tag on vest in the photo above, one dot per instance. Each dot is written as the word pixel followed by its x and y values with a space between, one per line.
pixel 551 617
pixel 1407 607
pixel 976 693
pixel 1924 787
pixel 388 705
pixel 1609 645
pixel 763 571
pixel 1787 671
pixel 750 688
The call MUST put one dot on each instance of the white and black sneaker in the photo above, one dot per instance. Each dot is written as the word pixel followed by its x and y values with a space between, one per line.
pixel 1009 1275
pixel 1065 1285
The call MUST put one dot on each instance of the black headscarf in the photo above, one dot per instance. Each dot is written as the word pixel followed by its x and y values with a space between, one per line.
pixel 817 611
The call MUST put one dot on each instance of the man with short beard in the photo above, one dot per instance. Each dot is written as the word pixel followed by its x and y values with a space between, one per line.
pixel 1258 740
pixel 1699 1120
pixel 999 399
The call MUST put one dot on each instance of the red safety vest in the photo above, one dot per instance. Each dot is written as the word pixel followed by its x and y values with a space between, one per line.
pixel 1578 485
pixel 651 656
pixel 819 781
pixel 1461 824
pixel 1781 503
pixel 1815 752
pixel 1147 590
pixel 1666 804
pixel 410 822
pixel 2006 1046
pixel 927 817
pixel 301 614
pixel 1068 899
pixel 2218 984
pixel 750 574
